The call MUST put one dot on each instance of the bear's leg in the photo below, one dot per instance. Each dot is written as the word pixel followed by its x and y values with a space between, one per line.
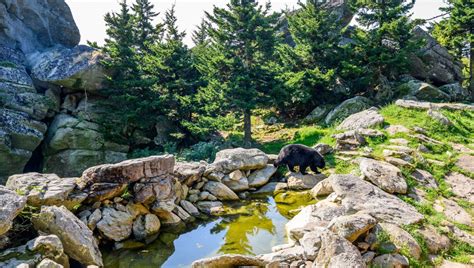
pixel 303 169
pixel 315 169
pixel 291 168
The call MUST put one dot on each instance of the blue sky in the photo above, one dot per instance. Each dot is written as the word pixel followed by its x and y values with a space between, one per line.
pixel 89 14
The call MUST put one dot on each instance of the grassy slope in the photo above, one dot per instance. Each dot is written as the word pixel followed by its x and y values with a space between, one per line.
pixel 272 138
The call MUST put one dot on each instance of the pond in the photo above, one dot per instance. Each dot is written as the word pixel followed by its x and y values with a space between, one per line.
pixel 252 227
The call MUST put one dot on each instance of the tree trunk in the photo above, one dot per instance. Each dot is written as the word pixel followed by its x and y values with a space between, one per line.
pixel 471 70
pixel 247 127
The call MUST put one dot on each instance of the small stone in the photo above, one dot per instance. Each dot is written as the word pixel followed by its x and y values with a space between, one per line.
pixel 190 208
pixel 146 226
pixel 352 226
pixel 390 261
pixel 434 241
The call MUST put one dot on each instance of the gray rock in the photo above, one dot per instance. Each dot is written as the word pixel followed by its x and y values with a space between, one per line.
pixel 298 181
pixel 228 260
pixel 189 172
pixel 424 105
pixel 352 226
pixel 386 176
pixel 47 263
pixel 146 226
pixel 318 114
pixel 349 140
pixel 238 159
pixel 190 208
pixel 237 185
pixel 210 207
pixel 78 240
pixel 424 91
pixel 19 137
pixel 435 242
pixel 347 108
pixel 76 69
pixel 11 204
pixel 377 203
pixel 453 211
pixel 456 92
pixel 402 239
pixel 335 251
pixel 36 25
pixel 220 190
pixel 461 185
pixel 424 178
pixel 365 119
pixel 323 188
pixel 438 116
pixel 261 177
pixel 323 149
pixel 434 62
pixel 465 162
pixel 390 261
pixel 44 189
pixel 394 129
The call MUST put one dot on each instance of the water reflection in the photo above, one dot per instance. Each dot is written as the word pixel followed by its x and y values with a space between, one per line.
pixel 249 228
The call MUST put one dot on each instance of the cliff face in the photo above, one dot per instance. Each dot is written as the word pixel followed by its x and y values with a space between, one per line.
pixel 46 121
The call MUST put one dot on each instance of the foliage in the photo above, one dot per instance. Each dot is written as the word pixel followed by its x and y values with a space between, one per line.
pixel 242 40
pixel 385 41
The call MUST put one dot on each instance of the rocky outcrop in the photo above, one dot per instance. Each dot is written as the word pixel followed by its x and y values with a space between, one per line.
pixel 78 241
pixel 433 62
pixel 365 119
pixel 45 189
pixel 424 91
pixel 11 204
pixel 37 25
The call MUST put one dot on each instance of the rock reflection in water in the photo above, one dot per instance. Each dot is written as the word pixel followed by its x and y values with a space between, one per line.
pixel 248 228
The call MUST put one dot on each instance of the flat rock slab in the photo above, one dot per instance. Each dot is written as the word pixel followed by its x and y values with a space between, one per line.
pixel 466 162
pixel 238 159
pixel 424 105
pixel 229 260
pixel 453 211
pixel 44 189
pixel 385 175
pixel 461 185
pixel 11 204
pixel 298 181
pixel 128 171
pixel 362 196
pixel 366 119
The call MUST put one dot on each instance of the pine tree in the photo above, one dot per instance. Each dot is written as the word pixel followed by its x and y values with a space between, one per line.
pixel 144 30
pixel 386 41
pixel 310 66
pixel 200 35
pixel 456 32
pixel 243 38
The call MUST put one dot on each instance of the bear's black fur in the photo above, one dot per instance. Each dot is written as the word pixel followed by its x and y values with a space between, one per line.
pixel 302 156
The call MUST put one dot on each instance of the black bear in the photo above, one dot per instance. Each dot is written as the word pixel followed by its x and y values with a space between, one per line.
pixel 299 155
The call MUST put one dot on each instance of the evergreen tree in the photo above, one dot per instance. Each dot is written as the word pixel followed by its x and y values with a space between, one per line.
pixel 200 35
pixel 456 32
pixel 127 86
pixel 386 41
pixel 311 65
pixel 144 30
pixel 243 37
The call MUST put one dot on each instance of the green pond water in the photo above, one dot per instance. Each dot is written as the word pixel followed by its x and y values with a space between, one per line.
pixel 252 227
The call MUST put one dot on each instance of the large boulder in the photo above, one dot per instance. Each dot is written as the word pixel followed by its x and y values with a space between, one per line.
pixel 189 172
pixel 402 239
pixel 365 119
pixel 352 226
pixel 78 241
pixel 346 108
pixel 19 137
pixel 238 159
pixel 433 62
pixel 76 69
pixel 44 189
pixel 115 224
pixel 72 145
pixel 377 203
pixel 318 114
pixel 334 250
pixel 456 92
pixel 262 176
pixel 37 24
pixel 385 175
pixel 424 91
pixel 11 204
